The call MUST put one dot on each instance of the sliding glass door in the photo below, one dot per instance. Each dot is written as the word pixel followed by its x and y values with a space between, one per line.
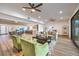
pixel 75 29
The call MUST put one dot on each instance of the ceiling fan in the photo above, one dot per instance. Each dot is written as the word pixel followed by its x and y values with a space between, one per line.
pixel 33 7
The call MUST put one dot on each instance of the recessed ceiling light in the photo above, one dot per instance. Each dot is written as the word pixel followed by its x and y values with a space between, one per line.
pixel 61 17
pixel 60 12
pixel 39 16
pixel 23 9
pixel 32 10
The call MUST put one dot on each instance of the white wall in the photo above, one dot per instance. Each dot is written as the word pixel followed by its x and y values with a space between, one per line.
pixel 59 26
pixel 41 28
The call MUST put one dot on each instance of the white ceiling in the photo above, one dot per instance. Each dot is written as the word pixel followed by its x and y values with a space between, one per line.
pixel 49 10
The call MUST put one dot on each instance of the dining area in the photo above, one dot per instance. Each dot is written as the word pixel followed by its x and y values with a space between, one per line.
pixel 27 44
pixel 26 30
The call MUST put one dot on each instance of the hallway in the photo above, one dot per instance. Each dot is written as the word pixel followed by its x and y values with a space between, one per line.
pixel 64 47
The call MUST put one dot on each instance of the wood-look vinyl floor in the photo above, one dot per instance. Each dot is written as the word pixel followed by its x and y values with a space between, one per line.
pixel 63 47
pixel 6 47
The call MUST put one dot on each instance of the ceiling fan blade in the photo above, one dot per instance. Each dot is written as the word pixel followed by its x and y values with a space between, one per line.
pixel 38 10
pixel 27 7
pixel 31 5
pixel 38 5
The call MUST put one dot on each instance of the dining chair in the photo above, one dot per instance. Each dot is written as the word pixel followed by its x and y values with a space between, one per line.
pixel 16 42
